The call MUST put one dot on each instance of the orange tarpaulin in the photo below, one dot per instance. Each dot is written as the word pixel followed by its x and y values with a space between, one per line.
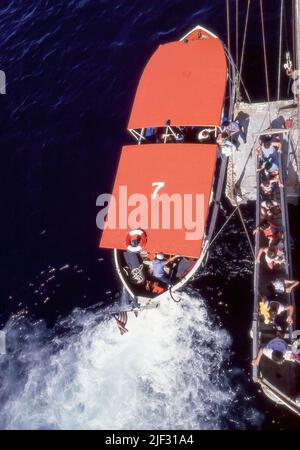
pixel 180 169
pixel 182 82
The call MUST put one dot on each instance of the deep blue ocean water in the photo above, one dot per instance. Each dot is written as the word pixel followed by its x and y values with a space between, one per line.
pixel 72 69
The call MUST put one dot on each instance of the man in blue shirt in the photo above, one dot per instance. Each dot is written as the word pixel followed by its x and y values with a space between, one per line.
pixel 269 148
pixel 234 130
pixel 158 267
pixel 277 350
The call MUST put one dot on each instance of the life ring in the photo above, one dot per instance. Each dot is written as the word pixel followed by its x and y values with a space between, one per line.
pixel 138 235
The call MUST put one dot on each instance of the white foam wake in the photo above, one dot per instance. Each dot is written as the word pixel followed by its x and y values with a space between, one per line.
pixel 167 372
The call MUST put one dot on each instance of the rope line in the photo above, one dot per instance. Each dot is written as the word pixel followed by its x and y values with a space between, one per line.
pixel 244 43
pixel 295 55
pixel 245 228
pixel 232 84
pixel 293 34
pixel 241 81
pixel 286 33
pixel 228 37
pixel 228 24
pixel 237 33
pixel 280 50
pixel 265 50
pixel 222 228
pixel 237 46
pixel 171 295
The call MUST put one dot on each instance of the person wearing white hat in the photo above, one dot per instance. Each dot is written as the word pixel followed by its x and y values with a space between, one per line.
pixel 158 267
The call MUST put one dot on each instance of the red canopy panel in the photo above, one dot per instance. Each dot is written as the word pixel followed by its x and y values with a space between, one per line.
pixel 184 83
pixel 184 169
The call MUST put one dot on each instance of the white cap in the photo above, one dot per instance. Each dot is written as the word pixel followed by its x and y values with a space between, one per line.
pixel 160 256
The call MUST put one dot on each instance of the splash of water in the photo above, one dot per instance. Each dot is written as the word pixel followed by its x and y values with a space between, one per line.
pixel 168 372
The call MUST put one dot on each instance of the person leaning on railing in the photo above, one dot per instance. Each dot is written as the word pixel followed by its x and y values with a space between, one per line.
pixel 270 209
pixel 276 309
pixel 270 231
pixel 274 256
pixel 281 286
pixel 268 151
pixel 271 170
pixel 277 350
pixel 268 147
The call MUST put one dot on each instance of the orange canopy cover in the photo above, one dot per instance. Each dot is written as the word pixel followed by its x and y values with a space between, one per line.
pixel 183 82
pixel 183 169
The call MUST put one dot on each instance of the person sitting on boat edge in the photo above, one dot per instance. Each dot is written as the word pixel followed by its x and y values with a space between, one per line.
pixel 275 309
pixel 268 152
pixel 158 267
pixel 269 186
pixel 227 147
pixel 233 129
pixel 277 350
pixel 267 189
pixel 281 286
pixel 270 230
pixel 270 209
pixel 273 256
pixel 271 170
pixel 269 147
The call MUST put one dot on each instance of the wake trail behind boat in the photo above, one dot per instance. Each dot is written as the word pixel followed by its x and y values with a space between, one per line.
pixel 168 372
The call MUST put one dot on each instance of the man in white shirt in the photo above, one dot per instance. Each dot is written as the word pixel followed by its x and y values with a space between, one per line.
pixel 276 308
pixel 282 286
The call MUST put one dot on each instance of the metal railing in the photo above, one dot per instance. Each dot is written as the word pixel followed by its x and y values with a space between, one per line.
pixel 255 330
pixel 286 231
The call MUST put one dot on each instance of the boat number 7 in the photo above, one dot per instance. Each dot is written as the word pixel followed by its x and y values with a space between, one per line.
pixel 158 185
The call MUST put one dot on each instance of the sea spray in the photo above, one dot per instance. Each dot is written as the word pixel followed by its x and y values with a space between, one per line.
pixel 170 371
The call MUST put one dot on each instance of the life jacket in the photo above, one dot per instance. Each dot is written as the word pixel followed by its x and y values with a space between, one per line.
pixel 264 311
pixel 272 232
pixel 154 287
pixel 268 232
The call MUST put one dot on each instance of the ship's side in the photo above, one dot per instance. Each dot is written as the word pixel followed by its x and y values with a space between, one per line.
pixel 264 168
pixel 280 382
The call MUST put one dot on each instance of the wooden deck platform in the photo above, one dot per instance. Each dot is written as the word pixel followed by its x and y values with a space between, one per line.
pixel 241 171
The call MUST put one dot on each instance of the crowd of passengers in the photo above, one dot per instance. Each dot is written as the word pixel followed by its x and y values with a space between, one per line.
pixel 226 135
pixel 273 310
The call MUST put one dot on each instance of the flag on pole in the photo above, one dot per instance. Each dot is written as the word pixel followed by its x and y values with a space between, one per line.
pixel 121 319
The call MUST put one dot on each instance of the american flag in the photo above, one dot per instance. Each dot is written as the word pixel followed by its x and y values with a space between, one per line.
pixel 121 319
